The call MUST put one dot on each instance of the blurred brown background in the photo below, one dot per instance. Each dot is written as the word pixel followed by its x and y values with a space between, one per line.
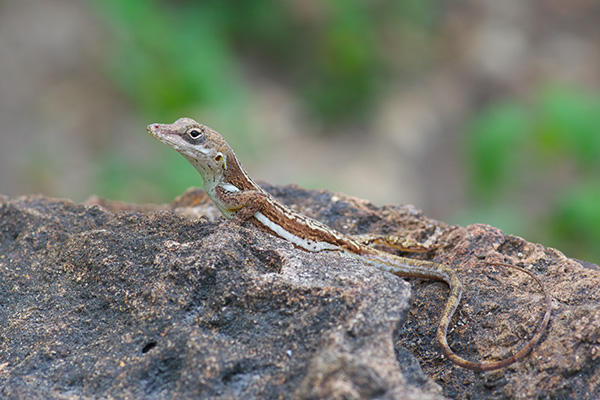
pixel 474 111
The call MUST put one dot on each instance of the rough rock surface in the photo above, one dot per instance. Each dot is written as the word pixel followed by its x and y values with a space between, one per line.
pixel 123 301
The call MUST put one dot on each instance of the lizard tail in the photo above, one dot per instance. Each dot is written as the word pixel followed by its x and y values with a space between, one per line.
pixel 490 365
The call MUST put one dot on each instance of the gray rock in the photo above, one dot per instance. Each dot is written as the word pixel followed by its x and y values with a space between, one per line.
pixel 156 305
pixel 114 300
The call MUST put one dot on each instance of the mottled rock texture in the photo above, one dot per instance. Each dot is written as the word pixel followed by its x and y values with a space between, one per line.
pixel 115 300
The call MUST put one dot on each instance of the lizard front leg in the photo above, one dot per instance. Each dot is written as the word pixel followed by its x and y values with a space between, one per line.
pixel 241 205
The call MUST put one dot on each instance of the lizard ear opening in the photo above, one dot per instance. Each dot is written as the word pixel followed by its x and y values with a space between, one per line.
pixel 219 157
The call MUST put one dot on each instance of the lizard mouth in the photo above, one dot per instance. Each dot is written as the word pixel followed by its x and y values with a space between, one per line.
pixel 155 131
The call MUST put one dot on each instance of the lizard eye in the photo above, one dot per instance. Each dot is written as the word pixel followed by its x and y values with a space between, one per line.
pixel 194 133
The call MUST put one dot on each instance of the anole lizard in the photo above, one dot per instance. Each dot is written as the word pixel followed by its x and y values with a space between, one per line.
pixel 241 200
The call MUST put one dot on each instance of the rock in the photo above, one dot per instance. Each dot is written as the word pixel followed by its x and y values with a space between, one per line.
pixel 115 300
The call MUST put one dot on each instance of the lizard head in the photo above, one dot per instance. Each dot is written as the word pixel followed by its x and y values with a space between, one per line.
pixel 203 147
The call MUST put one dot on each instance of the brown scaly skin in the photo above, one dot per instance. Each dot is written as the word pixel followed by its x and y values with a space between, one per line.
pixel 240 199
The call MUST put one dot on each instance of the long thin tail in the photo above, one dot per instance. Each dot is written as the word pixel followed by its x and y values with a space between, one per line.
pixel 493 365
pixel 408 267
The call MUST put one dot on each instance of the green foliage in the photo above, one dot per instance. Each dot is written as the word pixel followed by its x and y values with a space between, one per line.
pixel 169 55
pixel 569 124
pixel 332 53
pixel 557 133
pixel 168 59
pixel 162 179
pixel 575 222
pixel 497 136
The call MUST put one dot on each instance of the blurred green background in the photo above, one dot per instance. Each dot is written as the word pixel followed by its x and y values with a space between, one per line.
pixel 473 111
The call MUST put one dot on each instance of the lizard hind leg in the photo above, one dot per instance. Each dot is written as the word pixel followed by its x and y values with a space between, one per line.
pixel 397 242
